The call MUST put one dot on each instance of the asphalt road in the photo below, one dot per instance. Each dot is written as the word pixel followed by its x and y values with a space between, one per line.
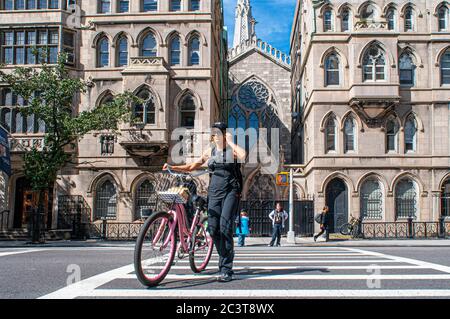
pixel 283 272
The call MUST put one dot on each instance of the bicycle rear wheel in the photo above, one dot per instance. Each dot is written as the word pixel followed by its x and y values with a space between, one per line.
pixel 346 229
pixel 201 247
pixel 155 249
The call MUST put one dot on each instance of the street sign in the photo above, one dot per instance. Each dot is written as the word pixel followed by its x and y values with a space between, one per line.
pixel 283 179
pixel 5 157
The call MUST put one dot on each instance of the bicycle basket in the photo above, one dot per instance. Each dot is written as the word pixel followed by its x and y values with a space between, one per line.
pixel 178 195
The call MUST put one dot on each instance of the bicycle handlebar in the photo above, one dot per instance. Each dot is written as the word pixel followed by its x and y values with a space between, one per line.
pixel 186 175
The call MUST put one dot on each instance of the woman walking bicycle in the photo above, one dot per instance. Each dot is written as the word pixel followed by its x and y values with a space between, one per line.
pixel 224 192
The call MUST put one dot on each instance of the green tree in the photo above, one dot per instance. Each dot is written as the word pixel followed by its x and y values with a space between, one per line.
pixel 50 92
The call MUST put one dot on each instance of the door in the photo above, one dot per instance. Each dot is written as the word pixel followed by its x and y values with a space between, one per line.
pixel 337 202
pixel 30 200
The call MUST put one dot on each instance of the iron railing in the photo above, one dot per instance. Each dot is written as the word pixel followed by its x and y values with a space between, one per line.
pixel 408 229
pixel 115 230
pixel 74 213
pixel 4 219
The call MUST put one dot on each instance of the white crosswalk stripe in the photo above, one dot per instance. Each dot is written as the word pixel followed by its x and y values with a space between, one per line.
pixel 332 266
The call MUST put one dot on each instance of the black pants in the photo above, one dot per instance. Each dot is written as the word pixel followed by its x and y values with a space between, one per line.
pixel 221 215
pixel 276 234
pixel 324 230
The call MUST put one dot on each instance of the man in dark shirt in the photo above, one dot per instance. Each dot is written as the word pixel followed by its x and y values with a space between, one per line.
pixel 324 224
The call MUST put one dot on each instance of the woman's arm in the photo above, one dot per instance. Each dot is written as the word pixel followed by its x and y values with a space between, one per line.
pixel 238 151
pixel 189 167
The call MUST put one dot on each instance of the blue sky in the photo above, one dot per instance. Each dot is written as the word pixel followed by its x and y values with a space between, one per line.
pixel 274 19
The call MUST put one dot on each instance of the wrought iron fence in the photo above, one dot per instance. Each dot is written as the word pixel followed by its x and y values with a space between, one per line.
pixel 74 213
pixel 115 230
pixel 409 229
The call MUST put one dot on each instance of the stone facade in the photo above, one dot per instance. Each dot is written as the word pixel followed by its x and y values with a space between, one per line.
pixel 370 144
pixel 131 51
pixel 257 67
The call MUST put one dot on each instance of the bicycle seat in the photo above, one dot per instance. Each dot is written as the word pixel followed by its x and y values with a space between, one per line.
pixel 199 202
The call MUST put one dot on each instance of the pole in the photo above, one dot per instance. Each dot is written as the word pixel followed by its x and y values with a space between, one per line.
pixel 291 233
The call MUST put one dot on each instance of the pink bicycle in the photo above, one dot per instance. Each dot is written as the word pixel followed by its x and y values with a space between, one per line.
pixel 156 244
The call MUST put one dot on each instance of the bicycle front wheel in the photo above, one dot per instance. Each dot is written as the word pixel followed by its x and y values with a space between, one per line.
pixel 346 229
pixel 201 247
pixel 155 249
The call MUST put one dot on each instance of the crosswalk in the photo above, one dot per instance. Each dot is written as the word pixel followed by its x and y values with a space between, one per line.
pixel 284 272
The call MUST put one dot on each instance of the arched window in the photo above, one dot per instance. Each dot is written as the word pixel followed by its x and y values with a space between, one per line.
pixel 149 5
pixel 107 98
pixel 445 198
pixel 5 118
pixel 194 5
pixel 371 200
pixel 30 127
pixel 262 187
pixel 369 12
pixel 409 19
pixel 391 18
pixel 145 198
pixel 443 17
pixel 145 112
pixel 103 53
pixel 349 134
pixel 407 70
pixel 175 51
pixel 175 5
pixel 149 46
pixel 332 70
pixel 392 129
pixel 345 20
pixel 41 126
pixel 253 106
pixel 122 54
pixel 328 20
pixel 374 64
pixel 19 122
pixel 406 199
pixel 106 200
pixel 445 67
pixel 410 134
pixel 187 111
pixel 330 135
pixel 194 51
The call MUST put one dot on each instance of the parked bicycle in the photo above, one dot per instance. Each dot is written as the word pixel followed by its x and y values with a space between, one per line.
pixel 353 227
pixel 156 244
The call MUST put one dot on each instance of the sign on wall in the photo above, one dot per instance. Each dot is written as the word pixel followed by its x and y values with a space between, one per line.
pixel 283 179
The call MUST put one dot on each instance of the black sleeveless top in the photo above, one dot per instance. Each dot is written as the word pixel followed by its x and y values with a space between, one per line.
pixel 225 173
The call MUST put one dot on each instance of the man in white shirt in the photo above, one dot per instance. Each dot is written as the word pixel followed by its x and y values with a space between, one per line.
pixel 278 217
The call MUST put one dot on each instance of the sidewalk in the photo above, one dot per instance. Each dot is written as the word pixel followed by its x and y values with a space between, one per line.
pixel 252 241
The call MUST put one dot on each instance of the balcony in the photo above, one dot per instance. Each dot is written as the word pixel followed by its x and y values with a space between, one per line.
pixel 23 144
pixel 146 65
pixel 145 143
pixel 370 25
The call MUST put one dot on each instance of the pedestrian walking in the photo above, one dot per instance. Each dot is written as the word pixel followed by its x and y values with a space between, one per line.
pixel 243 228
pixel 323 219
pixel 278 217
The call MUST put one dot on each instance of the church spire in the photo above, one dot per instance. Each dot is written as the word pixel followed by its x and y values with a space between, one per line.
pixel 244 28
